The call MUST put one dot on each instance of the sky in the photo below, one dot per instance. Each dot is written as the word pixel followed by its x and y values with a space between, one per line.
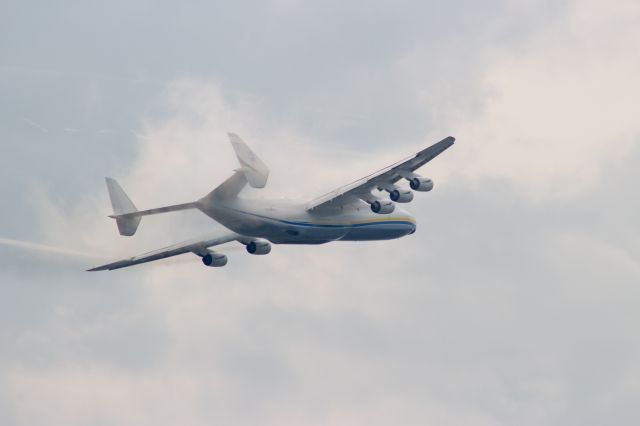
pixel 515 302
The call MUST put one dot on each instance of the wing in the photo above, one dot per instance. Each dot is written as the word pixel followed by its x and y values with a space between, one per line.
pixel 361 188
pixel 193 246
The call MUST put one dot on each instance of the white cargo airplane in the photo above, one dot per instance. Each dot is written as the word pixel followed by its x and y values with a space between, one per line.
pixel 350 213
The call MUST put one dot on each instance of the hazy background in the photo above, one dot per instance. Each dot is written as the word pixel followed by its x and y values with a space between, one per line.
pixel 516 302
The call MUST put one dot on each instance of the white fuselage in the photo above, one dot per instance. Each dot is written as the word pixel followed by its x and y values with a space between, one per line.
pixel 288 222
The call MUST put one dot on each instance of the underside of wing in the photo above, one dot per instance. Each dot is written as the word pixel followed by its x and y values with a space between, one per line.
pixel 198 246
pixel 382 179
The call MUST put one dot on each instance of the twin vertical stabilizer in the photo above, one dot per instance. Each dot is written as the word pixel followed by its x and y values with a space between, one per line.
pixel 122 205
pixel 252 170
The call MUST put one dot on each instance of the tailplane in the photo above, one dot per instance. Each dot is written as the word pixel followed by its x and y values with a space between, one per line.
pixel 126 214
pixel 122 209
pixel 252 171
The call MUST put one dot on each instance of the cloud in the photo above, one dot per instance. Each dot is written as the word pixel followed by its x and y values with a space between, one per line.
pixel 93 396
pixel 560 110
pixel 513 303
pixel 446 325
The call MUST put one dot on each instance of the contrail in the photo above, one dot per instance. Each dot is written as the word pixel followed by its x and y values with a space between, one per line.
pixel 29 245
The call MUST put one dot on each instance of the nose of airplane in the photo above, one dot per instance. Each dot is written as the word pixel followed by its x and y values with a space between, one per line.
pixel 411 221
pixel 412 225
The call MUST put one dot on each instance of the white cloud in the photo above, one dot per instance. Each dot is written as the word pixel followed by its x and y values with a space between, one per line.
pixel 561 104
pixel 491 314
pixel 76 395
pixel 439 326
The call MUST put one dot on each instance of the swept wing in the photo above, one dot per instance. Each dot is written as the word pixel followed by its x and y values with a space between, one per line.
pixel 361 188
pixel 192 246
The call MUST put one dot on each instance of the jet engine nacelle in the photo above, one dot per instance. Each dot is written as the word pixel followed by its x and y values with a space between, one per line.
pixel 421 184
pixel 259 247
pixel 401 195
pixel 382 207
pixel 214 259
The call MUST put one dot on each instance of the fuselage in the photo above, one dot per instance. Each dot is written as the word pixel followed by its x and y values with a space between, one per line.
pixel 289 222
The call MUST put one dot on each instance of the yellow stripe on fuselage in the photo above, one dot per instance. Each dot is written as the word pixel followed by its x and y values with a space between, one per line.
pixel 361 222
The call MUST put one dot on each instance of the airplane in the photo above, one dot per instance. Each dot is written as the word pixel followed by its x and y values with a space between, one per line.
pixel 350 213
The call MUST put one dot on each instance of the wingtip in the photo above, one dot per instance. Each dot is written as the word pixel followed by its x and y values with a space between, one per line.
pixel 100 268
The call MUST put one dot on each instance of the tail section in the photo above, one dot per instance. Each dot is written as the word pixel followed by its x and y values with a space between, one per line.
pixel 122 209
pixel 253 168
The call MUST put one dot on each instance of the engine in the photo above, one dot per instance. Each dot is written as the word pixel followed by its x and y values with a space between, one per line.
pixel 421 184
pixel 382 207
pixel 401 196
pixel 259 247
pixel 214 259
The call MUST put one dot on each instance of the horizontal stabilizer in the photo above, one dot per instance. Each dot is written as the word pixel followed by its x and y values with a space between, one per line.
pixel 167 209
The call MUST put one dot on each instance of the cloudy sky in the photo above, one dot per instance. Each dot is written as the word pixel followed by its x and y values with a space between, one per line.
pixel 516 302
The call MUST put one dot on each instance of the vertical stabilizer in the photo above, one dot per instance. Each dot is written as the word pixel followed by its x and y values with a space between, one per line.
pixel 253 168
pixel 122 205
